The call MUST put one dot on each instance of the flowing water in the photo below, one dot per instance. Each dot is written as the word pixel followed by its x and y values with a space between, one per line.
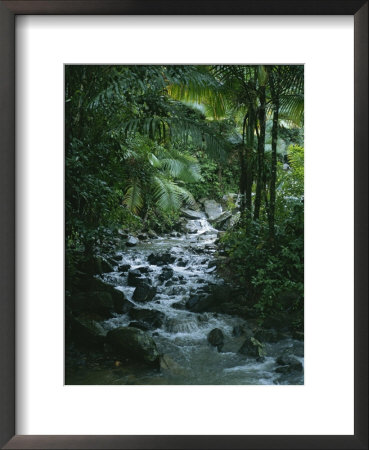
pixel 182 339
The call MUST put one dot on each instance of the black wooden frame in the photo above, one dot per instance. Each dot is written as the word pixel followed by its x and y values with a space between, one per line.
pixel 8 11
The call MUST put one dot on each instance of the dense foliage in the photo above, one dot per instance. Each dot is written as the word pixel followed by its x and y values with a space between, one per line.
pixel 142 141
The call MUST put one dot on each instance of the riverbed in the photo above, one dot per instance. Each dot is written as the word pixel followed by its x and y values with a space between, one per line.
pixel 187 356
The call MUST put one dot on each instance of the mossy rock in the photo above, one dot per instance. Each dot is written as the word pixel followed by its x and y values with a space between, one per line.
pixel 253 348
pixel 135 344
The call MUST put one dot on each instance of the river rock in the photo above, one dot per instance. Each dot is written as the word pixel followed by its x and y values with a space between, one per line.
pixel 166 274
pixel 213 209
pixel 161 259
pixel 135 344
pixel 232 221
pixel 216 338
pixel 144 293
pixel 252 347
pixel 218 299
pixel 221 220
pixel 190 214
pixel 121 304
pixel 153 318
pixel 134 277
pixel 124 267
pixel 142 236
pixel 194 303
pixel 288 363
pixel 131 241
pixel 92 284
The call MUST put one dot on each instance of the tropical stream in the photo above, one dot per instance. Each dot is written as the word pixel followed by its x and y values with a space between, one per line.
pixel 181 338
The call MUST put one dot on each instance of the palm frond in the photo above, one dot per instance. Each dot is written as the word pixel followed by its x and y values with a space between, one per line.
pixel 168 195
pixel 133 198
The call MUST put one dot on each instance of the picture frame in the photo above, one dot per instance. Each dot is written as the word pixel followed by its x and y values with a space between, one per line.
pixel 8 11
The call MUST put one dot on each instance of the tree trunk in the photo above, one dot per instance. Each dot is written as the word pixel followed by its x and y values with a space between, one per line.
pixel 243 165
pixel 261 150
pixel 274 170
pixel 249 162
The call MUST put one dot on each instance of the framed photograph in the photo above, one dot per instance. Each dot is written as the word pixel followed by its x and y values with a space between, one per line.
pixel 177 271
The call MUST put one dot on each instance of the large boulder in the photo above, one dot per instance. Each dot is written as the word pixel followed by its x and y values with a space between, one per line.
pixel 151 317
pixel 135 344
pixel 193 215
pixel 252 347
pixel 213 209
pixel 231 221
pixel 221 220
pixel 216 338
pixel 144 293
pixel 90 301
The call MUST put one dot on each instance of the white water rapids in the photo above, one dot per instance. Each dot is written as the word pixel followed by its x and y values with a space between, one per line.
pixel 188 357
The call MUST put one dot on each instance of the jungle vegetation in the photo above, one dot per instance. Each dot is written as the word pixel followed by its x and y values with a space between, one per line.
pixel 143 141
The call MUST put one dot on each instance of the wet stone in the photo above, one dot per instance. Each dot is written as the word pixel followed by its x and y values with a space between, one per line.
pixel 166 274
pixel 133 277
pixel 161 259
pixel 144 293
pixel 216 338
